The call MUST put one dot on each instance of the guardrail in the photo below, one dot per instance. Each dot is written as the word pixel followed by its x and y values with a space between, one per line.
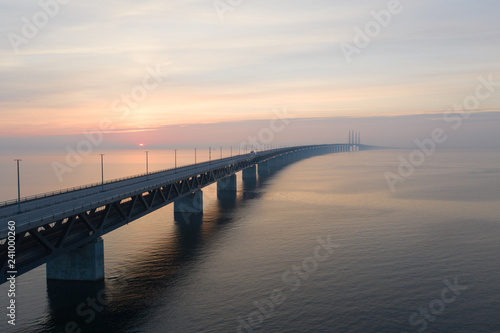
pixel 22 226
pixel 257 158
pixel 158 174
pixel 84 187
pixel 140 178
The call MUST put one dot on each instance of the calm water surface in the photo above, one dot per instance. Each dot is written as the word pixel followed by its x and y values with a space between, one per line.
pixel 394 254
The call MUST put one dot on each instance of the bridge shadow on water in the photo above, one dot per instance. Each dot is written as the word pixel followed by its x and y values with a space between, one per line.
pixel 124 301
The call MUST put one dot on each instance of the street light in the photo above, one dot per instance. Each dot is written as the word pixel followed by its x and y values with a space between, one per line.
pixel 147 164
pixel 18 187
pixel 195 156
pixel 231 151
pixel 102 172
pixel 175 159
pixel 210 155
pixel 221 152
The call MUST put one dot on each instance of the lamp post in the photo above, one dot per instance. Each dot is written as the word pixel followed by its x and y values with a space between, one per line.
pixel 221 152
pixel 210 155
pixel 147 164
pixel 175 160
pixel 195 156
pixel 231 151
pixel 102 172
pixel 18 187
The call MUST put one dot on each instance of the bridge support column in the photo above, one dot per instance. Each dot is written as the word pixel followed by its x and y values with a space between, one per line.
pixel 250 173
pixel 226 187
pixel 83 264
pixel 192 203
pixel 263 169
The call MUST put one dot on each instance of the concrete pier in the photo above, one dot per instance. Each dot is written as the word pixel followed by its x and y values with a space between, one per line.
pixel 250 173
pixel 83 264
pixel 263 169
pixel 192 203
pixel 226 187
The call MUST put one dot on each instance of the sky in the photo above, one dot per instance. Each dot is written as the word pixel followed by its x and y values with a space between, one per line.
pixel 193 71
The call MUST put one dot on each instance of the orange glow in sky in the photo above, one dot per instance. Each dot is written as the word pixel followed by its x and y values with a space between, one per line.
pixel 208 73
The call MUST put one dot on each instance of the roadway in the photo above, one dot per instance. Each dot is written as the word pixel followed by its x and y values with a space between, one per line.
pixel 34 212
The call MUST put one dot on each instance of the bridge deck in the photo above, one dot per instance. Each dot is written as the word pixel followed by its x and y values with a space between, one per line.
pixel 36 211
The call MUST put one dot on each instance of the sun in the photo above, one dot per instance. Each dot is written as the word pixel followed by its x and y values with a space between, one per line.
pixel 141 144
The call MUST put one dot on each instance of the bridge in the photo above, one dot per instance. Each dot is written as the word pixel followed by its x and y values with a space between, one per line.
pixel 63 229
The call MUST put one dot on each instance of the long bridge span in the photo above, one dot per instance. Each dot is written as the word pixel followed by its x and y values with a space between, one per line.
pixel 64 229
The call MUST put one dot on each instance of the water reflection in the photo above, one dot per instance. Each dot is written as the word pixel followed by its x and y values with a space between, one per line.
pixel 191 220
pixel 126 298
pixel 394 257
pixel 249 184
pixel 227 196
pixel 125 301
pixel 71 299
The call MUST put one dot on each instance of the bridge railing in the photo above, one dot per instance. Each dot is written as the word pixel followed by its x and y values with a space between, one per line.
pixel 180 172
pixel 99 184
pixel 72 189
pixel 102 202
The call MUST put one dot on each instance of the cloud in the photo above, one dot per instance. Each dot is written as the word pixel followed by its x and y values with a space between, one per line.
pixel 264 55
